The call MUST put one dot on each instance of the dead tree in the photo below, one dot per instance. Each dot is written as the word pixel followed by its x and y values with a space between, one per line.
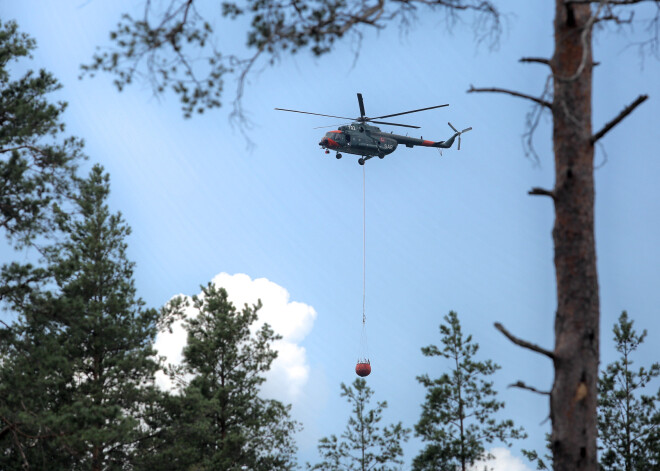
pixel 575 357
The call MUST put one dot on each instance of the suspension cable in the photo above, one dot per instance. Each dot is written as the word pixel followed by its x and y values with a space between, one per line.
pixel 364 245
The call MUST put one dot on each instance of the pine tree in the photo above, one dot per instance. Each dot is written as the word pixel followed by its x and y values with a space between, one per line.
pixel 31 375
pixel 364 445
pixel 81 362
pixel 628 419
pixel 37 164
pixel 219 419
pixel 458 417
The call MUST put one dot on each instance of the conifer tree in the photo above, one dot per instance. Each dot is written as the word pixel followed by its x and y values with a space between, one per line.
pixel 80 368
pixel 31 375
pixel 458 417
pixel 36 162
pixel 219 419
pixel 364 445
pixel 628 419
pixel 628 415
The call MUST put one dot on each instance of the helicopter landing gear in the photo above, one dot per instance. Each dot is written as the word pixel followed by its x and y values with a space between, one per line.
pixel 381 156
pixel 338 156
pixel 363 159
pixel 327 151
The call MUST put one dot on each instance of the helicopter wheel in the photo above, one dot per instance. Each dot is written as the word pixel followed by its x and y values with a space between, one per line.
pixel 338 155
pixel 361 161
pixel 381 156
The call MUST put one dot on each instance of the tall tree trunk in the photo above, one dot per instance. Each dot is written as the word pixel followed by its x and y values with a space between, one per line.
pixel 574 393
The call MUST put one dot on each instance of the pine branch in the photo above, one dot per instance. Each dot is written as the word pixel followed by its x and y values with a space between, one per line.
pixel 521 385
pixel 539 101
pixel 524 343
pixel 625 112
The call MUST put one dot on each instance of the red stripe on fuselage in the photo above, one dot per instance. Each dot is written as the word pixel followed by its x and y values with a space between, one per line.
pixel 428 143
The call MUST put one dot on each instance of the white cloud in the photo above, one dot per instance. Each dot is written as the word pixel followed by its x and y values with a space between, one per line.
pixel 502 460
pixel 290 319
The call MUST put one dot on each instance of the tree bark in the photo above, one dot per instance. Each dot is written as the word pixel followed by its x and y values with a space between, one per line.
pixel 574 392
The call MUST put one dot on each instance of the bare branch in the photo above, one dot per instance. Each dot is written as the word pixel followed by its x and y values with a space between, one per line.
pixel 538 60
pixel 625 112
pixel 539 101
pixel 541 192
pixel 610 2
pixel 524 343
pixel 521 385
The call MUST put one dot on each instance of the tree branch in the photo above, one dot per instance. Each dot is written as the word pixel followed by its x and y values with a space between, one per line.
pixel 625 112
pixel 524 343
pixel 540 101
pixel 521 385
pixel 610 2
pixel 538 60
pixel 541 192
pixel 541 60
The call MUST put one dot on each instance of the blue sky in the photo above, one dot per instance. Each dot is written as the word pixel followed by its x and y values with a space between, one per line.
pixel 451 232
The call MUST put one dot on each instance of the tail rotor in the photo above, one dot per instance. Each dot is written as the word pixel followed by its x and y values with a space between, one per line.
pixel 459 133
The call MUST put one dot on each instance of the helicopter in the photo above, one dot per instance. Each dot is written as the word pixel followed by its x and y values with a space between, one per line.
pixel 367 141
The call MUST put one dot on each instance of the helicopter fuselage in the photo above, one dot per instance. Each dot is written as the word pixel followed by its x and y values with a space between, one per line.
pixel 369 141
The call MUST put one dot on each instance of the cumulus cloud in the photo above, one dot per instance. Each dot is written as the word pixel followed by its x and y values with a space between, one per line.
pixel 502 460
pixel 290 319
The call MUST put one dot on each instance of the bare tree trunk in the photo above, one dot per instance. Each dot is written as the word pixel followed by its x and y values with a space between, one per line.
pixel 574 392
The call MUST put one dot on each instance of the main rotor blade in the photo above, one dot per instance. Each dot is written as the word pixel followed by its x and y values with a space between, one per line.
pixel 361 105
pixel 316 114
pixel 408 112
pixel 394 124
pixel 330 126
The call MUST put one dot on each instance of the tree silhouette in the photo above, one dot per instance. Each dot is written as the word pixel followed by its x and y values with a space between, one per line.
pixel 458 414
pixel 219 420
pixel 37 163
pixel 628 419
pixel 364 445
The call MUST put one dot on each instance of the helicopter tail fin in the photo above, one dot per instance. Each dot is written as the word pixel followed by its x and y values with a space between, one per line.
pixel 449 142
pixel 446 144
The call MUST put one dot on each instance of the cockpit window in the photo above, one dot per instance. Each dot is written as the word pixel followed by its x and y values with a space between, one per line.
pixel 333 135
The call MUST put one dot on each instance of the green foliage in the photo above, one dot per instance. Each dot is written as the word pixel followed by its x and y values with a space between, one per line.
pixel 219 420
pixel 176 46
pixel 544 462
pixel 458 415
pixel 36 163
pixel 77 368
pixel 364 445
pixel 628 417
